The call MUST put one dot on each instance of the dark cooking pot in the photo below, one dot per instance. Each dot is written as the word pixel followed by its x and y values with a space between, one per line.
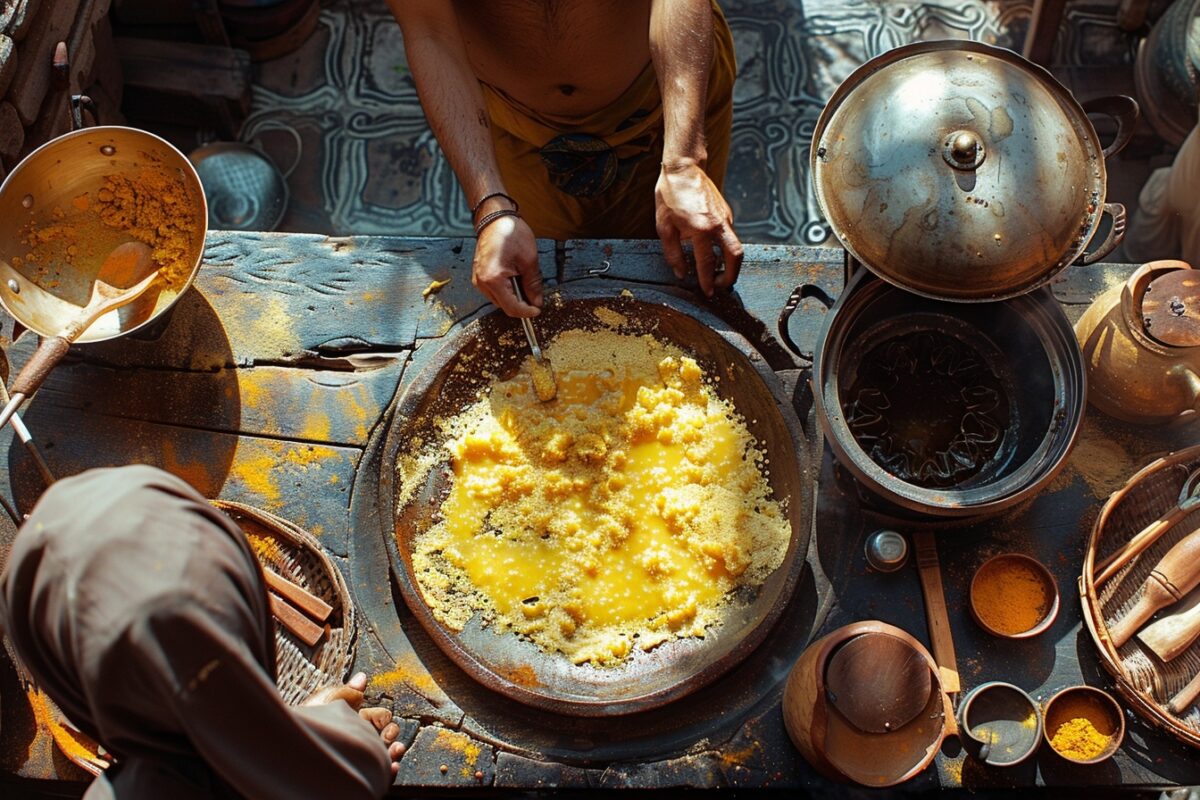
pixel 966 178
pixel 948 409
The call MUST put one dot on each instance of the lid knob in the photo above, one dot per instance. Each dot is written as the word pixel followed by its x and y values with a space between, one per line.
pixel 963 150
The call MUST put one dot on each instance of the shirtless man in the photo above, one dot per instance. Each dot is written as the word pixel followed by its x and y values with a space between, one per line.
pixel 580 111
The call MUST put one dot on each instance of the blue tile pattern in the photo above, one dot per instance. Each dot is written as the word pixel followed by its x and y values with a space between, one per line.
pixel 377 168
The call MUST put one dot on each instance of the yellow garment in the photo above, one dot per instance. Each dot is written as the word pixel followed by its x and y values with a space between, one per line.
pixel 624 208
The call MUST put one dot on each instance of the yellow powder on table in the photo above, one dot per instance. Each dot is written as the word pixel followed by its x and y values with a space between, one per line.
pixel 613 518
pixel 74 744
pixel 1009 596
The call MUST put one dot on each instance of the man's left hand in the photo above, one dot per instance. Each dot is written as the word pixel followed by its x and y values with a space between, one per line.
pixel 688 205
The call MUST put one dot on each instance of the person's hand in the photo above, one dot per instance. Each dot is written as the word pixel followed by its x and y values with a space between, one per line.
pixel 377 717
pixel 351 692
pixel 506 247
pixel 688 205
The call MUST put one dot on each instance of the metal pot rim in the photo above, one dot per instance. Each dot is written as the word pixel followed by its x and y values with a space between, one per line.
pixel 1050 326
pixel 948 289
pixel 189 172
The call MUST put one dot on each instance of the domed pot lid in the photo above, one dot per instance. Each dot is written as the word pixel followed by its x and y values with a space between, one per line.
pixel 959 171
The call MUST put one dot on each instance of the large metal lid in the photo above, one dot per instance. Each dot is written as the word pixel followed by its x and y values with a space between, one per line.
pixel 958 170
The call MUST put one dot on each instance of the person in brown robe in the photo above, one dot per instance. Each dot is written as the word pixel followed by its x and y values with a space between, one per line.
pixel 141 610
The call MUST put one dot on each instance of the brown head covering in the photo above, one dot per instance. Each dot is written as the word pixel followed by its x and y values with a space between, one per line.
pixel 141 611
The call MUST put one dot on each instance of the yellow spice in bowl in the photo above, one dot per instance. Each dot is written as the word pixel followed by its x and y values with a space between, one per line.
pixel 613 518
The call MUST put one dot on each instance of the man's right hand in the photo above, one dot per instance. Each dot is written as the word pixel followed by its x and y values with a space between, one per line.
pixel 506 247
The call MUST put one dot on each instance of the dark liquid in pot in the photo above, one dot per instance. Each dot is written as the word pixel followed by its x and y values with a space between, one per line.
pixel 928 408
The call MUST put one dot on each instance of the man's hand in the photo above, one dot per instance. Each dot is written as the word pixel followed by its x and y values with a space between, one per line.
pixel 689 206
pixel 506 247
pixel 377 717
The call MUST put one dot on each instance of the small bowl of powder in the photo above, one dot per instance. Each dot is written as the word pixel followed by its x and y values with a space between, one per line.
pixel 1014 596
pixel 1084 724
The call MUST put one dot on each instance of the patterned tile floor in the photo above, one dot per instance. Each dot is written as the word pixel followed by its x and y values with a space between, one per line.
pixel 344 110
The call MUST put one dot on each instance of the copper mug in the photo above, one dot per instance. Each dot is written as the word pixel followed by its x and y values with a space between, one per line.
pixel 1131 375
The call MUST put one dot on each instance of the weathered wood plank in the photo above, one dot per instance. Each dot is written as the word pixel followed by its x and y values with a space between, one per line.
pixel 308 484
pixel 303 405
pixel 272 298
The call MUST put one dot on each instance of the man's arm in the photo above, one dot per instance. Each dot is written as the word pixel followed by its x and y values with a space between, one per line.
pixel 454 106
pixel 688 204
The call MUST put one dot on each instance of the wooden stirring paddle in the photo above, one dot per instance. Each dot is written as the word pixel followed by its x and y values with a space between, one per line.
pixel 1174 576
pixel 1173 634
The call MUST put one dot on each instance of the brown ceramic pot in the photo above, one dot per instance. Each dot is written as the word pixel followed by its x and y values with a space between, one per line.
pixel 1132 375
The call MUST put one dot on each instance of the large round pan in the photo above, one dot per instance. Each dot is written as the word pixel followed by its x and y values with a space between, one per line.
pixel 451 379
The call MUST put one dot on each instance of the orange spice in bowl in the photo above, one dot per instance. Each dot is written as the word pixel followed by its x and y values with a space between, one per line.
pixel 1084 724
pixel 1014 596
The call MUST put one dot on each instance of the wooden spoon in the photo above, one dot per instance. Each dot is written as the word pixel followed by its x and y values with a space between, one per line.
pixel 1189 501
pixel 1171 635
pixel 105 298
pixel 1173 577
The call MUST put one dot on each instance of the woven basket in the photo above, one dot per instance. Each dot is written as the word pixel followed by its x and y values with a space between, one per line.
pixel 297 556
pixel 1142 678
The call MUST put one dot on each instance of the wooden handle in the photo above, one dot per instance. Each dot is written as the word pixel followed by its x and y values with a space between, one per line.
pixel 301 626
pixel 50 351
pixel 1187 695
pixel 1171 635
pixel 935 611
pixel 104 299
pixel 1172 577
pixel 1154 599
pixel 310 604
pixel 1146 537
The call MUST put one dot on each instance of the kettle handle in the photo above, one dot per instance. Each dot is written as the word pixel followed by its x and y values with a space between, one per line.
pixel 1191 384
pixel 1124 109
pixel 1115 234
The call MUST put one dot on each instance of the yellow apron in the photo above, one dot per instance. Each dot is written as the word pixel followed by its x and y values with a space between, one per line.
pixel 594 177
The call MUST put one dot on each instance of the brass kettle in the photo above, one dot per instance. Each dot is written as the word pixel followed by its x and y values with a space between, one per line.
pixel 1141 344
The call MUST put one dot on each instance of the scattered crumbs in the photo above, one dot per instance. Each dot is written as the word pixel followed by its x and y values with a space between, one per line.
pixel 542 374
pixel 435 286
pixel 952 771
pixel 610 318
pixel 627 293
pixel 1100 461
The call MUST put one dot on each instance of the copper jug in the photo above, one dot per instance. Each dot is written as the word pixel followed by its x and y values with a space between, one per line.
pixel 1141 343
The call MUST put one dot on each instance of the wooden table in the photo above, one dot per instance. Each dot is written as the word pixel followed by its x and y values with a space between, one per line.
pixel 270 383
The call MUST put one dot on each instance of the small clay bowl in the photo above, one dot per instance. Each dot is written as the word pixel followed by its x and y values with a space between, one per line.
pixel 1037 568
pixel 999 724
pixel 1102 709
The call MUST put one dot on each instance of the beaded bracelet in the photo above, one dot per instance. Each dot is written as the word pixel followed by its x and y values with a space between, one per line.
pixel 486 197
pixel 488 219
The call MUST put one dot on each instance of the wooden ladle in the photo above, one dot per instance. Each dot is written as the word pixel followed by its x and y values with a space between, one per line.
pixel 128 258
pixel 1189 501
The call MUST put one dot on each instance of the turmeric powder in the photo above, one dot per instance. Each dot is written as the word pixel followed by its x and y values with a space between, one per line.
pixel 1009 596
pixel 74 745
pixel 1082 728
pixel 154 207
